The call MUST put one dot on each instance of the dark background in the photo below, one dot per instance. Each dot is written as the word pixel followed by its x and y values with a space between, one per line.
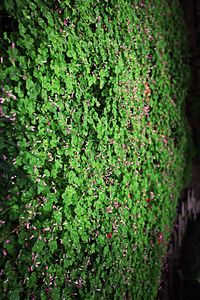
pixel 185 276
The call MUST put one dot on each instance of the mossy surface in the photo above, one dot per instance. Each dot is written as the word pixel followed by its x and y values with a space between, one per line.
pixel 92 97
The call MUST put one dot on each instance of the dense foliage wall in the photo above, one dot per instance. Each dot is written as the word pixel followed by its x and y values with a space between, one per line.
pixel 92 123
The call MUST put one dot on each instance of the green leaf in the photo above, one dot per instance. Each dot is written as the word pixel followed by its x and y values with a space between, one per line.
pixel 71 177
pixel 22 29
pixel 69 84
pixel 56 293
pixel 48 206
pixel 57 217
pixel 50 19
pixel 69 196
pixel 52 246
pixel 29 84
pixel 38 246
pixel 21 236
pixel 14 295
pixel 46 173
pixel 43 296
pixel 14 212
pixel 41 23
pixel 70 53
pixel 91 80
pixel 32 280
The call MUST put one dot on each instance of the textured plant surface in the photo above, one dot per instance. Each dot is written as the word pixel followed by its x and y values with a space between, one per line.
pixel 93 146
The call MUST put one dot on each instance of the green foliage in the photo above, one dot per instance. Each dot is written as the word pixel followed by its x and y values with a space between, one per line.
pixel 98 90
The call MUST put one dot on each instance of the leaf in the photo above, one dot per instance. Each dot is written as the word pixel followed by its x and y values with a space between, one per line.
pixel 22 29
pixel 71 177
pixel 21 236
pixel 68 263
pixel 69 53
pixel 50 19
pixel 40 187
pixel 70 196
pixel 38 246
pixel 69 84
pixel 32 280
pixel 14 295
pixel 102 80
pixel 100 130
pixel 91 80
pixel 57 217
pixel 48 206
pixel 106 251
pixel 29 84
pixel 56 293
pixel 52 246
pixel 41 23
pixel 46 173
pixel 14 212
pixel 74 236
pixel 10 247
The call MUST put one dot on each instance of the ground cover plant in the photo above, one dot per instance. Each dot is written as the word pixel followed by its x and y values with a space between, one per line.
pixel 94 146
